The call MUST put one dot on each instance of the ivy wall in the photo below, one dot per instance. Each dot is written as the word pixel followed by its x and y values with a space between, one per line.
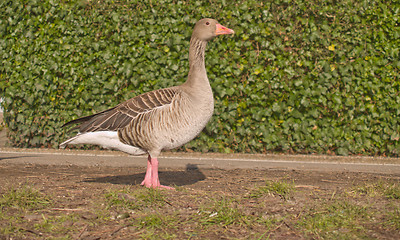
pixel 305 76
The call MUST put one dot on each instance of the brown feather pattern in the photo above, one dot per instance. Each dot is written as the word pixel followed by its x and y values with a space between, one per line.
pixel 120 116
pixel 151 130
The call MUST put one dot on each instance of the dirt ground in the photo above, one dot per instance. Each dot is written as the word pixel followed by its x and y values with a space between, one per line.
pixel 103 202
pixel 106 203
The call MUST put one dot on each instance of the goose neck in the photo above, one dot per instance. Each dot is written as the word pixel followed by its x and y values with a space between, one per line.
pixel 197 84
pixel 196 53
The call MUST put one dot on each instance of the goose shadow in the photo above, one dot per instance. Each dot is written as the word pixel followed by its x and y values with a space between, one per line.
pixel 190 175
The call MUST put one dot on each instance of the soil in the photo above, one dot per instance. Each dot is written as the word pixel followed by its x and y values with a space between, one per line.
pixel 80 191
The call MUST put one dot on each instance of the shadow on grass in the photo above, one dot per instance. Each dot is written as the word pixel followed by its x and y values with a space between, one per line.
pixel 191 175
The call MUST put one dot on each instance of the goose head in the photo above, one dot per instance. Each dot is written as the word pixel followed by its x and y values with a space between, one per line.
pixel 206 29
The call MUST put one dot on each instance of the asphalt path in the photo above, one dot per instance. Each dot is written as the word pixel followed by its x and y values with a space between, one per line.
pixel 202 161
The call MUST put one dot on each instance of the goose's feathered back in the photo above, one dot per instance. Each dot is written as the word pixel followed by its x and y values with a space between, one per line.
pixel 118 117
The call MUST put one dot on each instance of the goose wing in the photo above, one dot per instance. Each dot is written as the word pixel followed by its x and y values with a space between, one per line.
pixel 121 115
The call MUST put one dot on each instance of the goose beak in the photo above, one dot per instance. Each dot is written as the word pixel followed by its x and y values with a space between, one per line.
pixel 223 30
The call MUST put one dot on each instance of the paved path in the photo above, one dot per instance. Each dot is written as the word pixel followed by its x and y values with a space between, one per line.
pixel 202 161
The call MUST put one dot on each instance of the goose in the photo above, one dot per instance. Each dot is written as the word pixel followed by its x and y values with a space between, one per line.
pixel 159 120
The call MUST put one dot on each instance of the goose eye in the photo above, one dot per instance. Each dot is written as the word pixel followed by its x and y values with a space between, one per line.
pixel 207 23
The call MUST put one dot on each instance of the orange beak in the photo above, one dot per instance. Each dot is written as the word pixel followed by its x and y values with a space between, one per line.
pixel 223 30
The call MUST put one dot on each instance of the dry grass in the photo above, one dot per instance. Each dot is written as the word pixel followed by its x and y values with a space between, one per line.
pixel 260 207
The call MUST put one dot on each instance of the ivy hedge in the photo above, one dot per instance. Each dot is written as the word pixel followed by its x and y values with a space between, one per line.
pixel 302 76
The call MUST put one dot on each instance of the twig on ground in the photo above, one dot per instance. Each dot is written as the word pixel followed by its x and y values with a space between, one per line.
pixel 168 203
pixel 68 209
pixel 31 231
pixel 82 231
pixel 119 229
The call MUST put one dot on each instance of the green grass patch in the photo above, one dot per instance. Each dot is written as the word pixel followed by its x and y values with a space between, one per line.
pixel 155 235
pixel 60 225
pixel 338 220
pixel 157 221
pixel 157 225
pixel 24 197
pixel 280 188
pixel 223 212
pixel 152 221
pixel 11 227
pixel 394 218
pixel 368 189
pixel 135 199
pixel 389 190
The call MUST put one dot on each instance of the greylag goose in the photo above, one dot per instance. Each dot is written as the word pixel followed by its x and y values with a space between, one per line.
pixel 158 120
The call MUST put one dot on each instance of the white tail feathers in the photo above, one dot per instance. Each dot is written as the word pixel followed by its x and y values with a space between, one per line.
pixel 106 139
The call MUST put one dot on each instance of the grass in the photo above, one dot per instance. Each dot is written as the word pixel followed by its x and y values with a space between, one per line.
pixel 61 224
pixel 255 214
pixel 140 208
pixel 336 220
pixel 128 198
pixel 154 235
pixel 24 197
pixel 379 188
pixel 394 218
pixel 17 200
pixel 281 188
pixel 156 221
pixel 390 190
pixel 333 219
pixel 11 227
pixel 224 211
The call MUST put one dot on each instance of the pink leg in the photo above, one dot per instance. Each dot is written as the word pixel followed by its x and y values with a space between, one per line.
pixel 147 177
pixel 151 178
